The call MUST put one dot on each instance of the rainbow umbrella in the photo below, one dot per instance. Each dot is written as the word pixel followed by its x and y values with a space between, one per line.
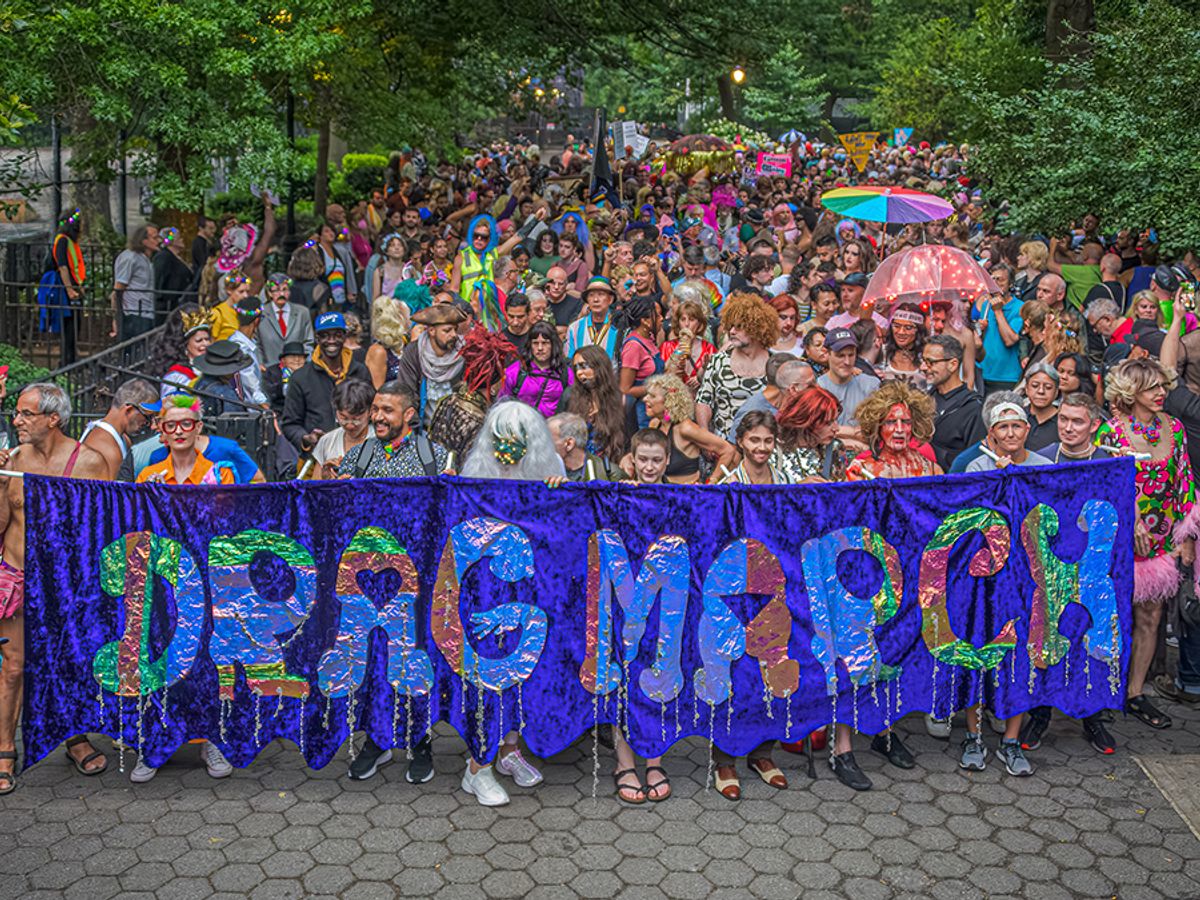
pixel 876 203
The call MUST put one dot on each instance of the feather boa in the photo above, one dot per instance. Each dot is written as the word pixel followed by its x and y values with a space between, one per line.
pixel 1155 580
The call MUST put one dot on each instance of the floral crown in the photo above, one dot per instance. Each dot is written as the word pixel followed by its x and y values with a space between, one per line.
pixel 201 320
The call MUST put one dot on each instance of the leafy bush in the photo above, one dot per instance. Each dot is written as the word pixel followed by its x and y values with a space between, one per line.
pixel 365 179
pixel 20 372
pixel 354 161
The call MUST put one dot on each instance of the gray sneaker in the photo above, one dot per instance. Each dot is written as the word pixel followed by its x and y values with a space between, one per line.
pixel 974 754
pixel 1013 756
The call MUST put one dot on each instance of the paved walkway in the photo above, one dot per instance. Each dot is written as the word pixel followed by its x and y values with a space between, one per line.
pixel 1082 826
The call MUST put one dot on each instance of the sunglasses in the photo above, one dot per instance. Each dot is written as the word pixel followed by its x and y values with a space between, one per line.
pixel 482 237
pixel 184 425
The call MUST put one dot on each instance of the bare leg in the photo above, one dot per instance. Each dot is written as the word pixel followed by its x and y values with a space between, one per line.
pixel 973 720
pixel 841 739
pixel 12 684
pixel 629 786
pixel 1012 727
pixel 1145 638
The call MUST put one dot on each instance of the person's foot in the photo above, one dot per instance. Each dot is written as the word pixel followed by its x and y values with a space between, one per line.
pixel 974 753
pixel 484 787
pixel 518 768
pixel 938 728
pixel 658 785
pixel 1098 736
pixel 1032 731
pixel 768 772
pixel 1168 688
pixel 420 769
pixel 86 758
pixel 1014 760
pixel 629 787
pixel 845 767
pixel 369 760
pixel 893 750
pixel 142 773
pixel 728 785
pixel 214 760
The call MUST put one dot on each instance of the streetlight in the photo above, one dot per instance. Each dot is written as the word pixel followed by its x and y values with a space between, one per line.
pixel 738 75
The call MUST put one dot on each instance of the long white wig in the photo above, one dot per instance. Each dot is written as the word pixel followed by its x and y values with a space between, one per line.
pixel 514 442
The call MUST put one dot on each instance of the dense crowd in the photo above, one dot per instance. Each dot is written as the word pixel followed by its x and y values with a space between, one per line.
pixel 494 319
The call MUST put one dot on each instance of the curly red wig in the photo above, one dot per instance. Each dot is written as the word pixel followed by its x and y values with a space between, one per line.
pixel 752 314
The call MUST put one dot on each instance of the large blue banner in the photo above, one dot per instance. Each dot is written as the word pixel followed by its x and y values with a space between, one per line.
pixel 302 611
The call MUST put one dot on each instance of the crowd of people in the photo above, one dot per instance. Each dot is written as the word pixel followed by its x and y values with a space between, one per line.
pixel 491 319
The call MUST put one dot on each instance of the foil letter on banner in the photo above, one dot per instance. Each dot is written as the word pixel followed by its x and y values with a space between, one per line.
pixel 664 574
pixel 511 559
pixel 946 646
pixel 248 628
pixel 844 623
pixel 344 666
pixel 745 567
pixel 1058 583
pixel 129 565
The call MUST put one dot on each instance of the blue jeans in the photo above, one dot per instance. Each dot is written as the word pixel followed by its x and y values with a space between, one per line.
pixel 1188 677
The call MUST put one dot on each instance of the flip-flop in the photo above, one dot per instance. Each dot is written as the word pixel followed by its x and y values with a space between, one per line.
pixel 81 764
pixel 658 785
pixel 639 790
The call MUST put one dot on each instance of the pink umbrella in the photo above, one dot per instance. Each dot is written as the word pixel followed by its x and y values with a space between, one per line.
pixel 928 273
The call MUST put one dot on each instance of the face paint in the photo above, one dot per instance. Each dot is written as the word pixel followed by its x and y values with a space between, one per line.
pixel 897 429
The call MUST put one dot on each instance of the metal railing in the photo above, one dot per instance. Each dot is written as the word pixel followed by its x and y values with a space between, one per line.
pixel 91 382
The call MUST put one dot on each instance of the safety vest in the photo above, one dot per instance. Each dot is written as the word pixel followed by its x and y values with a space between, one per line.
pixel 474 268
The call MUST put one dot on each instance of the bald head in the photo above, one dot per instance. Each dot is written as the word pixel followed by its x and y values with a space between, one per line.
pixel 1091 252
pixel 1110 266
pixel 1051 289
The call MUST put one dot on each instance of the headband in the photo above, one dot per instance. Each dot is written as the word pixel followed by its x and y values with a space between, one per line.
pixel 1004 412
pixel 907 315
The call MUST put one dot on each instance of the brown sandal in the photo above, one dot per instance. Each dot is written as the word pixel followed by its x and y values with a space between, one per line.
pixel 728 785
pixel 768 772
pixel 639 790
pixel 658 785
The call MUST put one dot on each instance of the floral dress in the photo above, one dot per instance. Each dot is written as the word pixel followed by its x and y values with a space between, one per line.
pixel 724 391
pixel 1166 502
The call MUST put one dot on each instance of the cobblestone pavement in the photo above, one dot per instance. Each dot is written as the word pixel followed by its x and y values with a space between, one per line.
pixel 1082 826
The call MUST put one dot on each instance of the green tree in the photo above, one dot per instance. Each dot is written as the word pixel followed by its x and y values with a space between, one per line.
pixel 784 95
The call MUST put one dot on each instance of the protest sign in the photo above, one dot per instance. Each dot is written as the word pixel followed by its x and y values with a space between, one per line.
pixel 774 164
pixel 858 146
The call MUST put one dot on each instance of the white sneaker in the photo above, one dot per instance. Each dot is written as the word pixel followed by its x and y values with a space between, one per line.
pixel 214 760
pixel 484 786
pixel 938 728
pixel 519 769
pixel 142 773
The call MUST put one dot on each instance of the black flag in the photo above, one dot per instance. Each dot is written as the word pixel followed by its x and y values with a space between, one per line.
pixel 602 183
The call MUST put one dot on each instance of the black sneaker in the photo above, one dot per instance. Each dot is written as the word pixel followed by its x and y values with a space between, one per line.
pixel 848 772
pixel 891 748
pixel 1035 726
pixel 1098 736
pixel 420 770
pixel 368 761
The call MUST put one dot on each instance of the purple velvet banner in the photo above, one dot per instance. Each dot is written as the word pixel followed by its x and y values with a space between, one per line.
pixel 245 614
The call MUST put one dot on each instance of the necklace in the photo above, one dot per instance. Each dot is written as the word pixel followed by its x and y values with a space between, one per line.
pixel 1151 433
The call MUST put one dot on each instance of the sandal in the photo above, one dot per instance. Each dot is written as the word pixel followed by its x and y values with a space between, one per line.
pixel 1147 712
pixel 768 772
pixel 639 790
pixel 727 782
pixel 8 780
pixel 658 785
pixel 1165 687
pixel 81 764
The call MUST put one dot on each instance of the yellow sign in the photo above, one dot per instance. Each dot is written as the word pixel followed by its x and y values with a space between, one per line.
pixel 858 146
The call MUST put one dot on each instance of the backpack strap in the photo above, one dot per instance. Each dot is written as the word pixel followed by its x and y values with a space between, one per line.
pixel 426 455
pixel 366 456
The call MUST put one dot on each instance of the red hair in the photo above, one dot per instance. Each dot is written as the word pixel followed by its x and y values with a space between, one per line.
pixel 802 414
pixel 784 302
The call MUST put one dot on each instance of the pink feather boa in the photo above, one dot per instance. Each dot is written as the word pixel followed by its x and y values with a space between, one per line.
pixel 1155 580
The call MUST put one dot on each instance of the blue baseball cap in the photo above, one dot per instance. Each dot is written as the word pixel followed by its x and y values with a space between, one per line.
pixel 330 321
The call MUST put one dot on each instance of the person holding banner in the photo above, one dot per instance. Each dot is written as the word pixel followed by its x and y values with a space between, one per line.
pixel 1168 516
pixel 42 449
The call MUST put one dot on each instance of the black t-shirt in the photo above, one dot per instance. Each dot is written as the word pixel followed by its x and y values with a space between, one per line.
pixel 1108 290
pixel 517 340
pixel 200 251
pixel 568 311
